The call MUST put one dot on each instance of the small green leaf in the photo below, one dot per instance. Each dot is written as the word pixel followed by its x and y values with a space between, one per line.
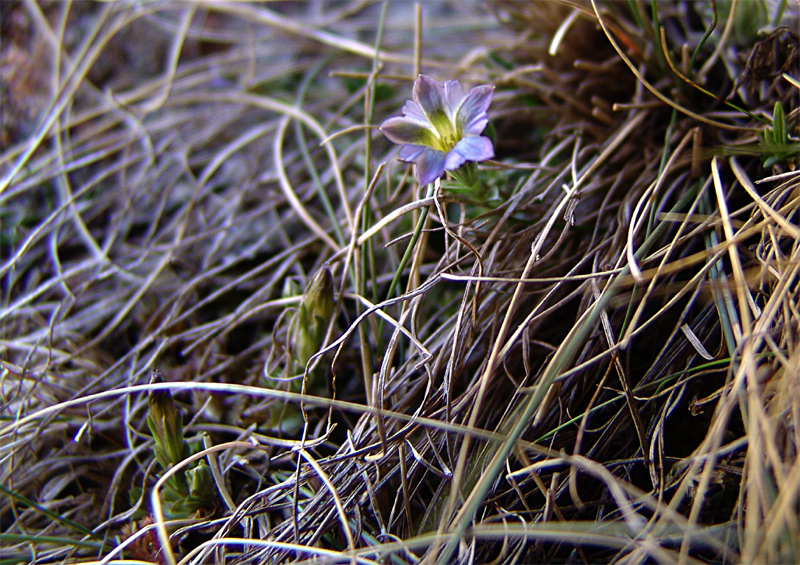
pixel 201 487
pixel 779 125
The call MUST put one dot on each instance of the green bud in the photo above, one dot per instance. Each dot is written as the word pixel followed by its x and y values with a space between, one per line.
pixel 313 316
pixel 166 426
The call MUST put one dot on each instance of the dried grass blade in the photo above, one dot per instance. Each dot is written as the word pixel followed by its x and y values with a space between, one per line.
pixel 696 343
pixel 288 191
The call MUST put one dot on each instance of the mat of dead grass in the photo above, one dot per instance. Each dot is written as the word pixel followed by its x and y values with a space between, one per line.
pixel 601 366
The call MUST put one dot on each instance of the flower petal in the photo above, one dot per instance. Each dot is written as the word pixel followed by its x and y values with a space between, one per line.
pixel 469 149
pixel 430 166
pixel 453 96
pixel 429 94
pixel 410 153
pixel 406 130
pixel 471 118
pixel 454 160
pixel 412 111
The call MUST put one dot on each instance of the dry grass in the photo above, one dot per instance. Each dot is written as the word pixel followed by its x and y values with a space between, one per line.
pixel 602 367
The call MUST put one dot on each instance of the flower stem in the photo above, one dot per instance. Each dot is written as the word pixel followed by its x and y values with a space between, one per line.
pixel 410 249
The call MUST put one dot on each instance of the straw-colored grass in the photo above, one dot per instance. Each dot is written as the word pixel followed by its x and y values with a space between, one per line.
pixel 602 365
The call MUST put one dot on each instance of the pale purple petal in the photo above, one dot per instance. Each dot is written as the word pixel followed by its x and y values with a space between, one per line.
pixel 429 94
pixel 471 118
pixel 453 96
pixel 410 153
pixel 476 126
pixel 405 130
pixel 454 160
pixel 412 111
pixel 469 149
pixel 430 166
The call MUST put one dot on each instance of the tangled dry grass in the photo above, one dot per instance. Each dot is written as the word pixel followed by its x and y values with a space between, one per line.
pixel 604 366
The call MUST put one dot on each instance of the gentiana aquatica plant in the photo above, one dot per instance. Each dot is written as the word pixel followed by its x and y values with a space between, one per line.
pixel 441 130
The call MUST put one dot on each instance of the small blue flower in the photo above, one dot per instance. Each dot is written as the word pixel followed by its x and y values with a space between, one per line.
pixel 441 127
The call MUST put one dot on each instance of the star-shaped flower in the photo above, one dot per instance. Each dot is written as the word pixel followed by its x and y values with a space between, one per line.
pixel 441 127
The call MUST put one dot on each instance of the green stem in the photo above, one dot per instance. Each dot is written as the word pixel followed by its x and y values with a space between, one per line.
pixel 410 249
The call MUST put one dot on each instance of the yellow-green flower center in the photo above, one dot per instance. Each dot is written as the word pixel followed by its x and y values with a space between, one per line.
pixel 446 134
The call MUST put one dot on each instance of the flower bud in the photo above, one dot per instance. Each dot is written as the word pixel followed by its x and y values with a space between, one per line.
pixel 165 425
pixel 313 316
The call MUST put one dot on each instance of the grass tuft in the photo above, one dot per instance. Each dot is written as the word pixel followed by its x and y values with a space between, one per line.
pixel 598 363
